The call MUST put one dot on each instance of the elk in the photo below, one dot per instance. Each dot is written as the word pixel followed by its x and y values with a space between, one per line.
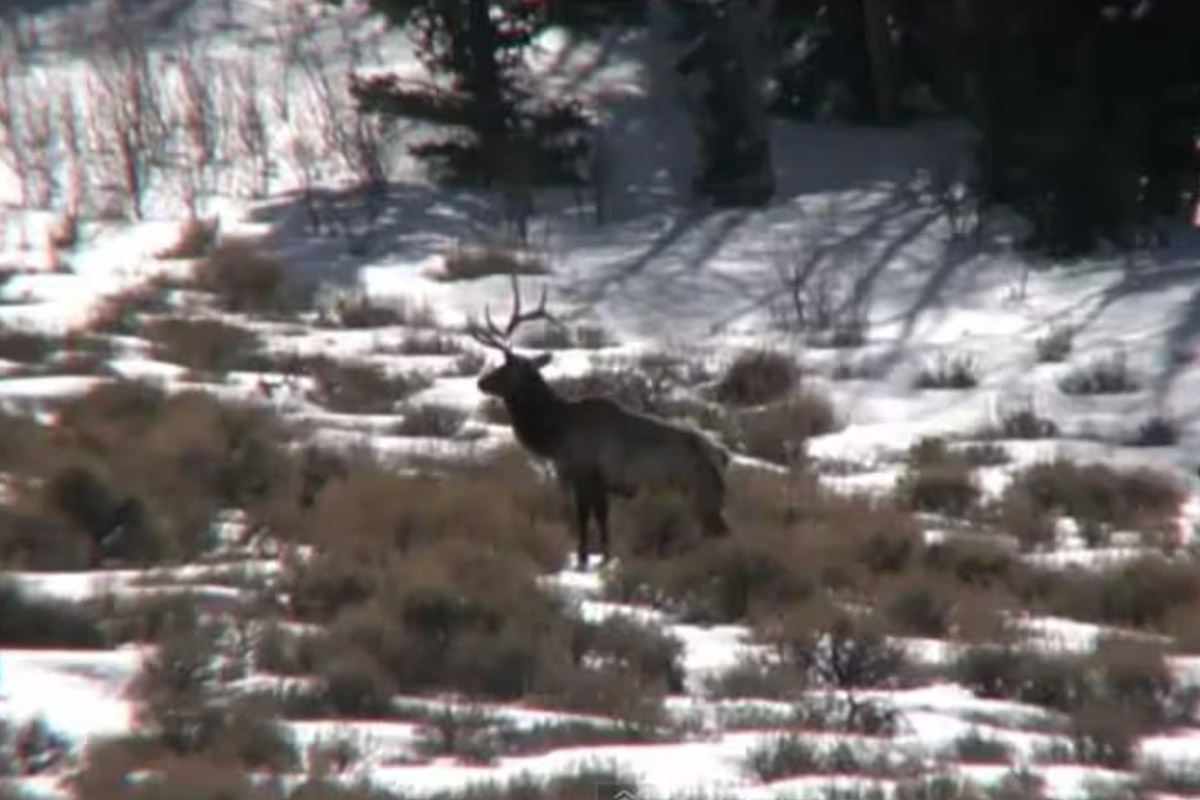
pixel 597 447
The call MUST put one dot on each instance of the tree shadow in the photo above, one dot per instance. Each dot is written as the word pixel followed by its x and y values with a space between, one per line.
pixel 415 222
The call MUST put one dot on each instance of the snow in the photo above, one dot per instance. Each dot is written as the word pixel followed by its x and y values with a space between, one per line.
pixel 659 275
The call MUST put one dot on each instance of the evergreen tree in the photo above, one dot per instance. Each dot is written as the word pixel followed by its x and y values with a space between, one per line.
pixel 723 53
pixel 501 132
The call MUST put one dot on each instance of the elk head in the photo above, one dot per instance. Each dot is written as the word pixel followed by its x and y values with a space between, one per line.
pixel 517 372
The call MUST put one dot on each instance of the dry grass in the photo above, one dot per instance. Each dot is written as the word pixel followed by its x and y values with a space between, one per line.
pixel 246 278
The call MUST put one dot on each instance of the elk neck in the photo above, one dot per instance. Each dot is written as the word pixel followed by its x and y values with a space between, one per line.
pixel 539 417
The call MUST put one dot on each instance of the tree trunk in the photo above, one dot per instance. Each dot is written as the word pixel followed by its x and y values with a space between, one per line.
pixel 881 52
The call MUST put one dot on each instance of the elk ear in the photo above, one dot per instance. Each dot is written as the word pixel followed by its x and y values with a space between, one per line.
pixel 541 359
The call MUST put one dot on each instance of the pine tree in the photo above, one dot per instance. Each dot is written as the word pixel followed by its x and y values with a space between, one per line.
pixel 723 54
pixel 500 131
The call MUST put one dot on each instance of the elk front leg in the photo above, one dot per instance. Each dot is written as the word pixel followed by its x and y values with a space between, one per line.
pixel 583 510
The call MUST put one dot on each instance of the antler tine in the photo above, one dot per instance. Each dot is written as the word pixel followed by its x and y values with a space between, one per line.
pixel 495 337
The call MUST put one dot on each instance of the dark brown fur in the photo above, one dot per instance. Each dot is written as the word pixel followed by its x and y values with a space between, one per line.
pixel 600 449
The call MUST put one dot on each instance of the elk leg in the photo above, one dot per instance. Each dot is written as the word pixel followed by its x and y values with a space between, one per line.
pixel 602 522
pixel 583 509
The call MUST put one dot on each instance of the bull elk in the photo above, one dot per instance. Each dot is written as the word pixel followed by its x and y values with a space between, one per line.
pixel 597 447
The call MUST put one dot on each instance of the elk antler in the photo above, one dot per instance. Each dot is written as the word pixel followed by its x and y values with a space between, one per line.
pixel 492 336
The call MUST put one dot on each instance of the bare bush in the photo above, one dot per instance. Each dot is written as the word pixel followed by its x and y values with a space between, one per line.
pixel 1156 432
pixel 245 277
pixel 755 377
pixel 128 119
pixel 1100 498
pixel 29 134
pixel 1023 422
pixel 938 479
pixel 1056 345
pixel 251 127
pixel 1105 375
pixel 958 371
pixel 358 388
pixel 430 419
pixel 778 431
pixel 207 346
pixel 793 540
pixel 195 124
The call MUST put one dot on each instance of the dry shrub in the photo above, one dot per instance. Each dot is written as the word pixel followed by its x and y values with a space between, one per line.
pixel 791 541
pixel 1156 432
pixel 468 363
pixel 27 621
pixel 938 479
pixel 974 561
pixel 1100 498
pixel 949 372
pixel 358 388
pixel 195 240
pixel 182 704
pixel 353 684
pixel 430 419
pixel 1105 375
pixel 1006 671
pixel 26 347
pixel 206 346
pixel 1175 777
pixel 431 583
pixel 137 476
pixel 498 505
pixel 468 262
pixel 1024 423
pixel 755 377
pixel 777 432
pixel 758 677
pixel 974 747
pixel 1132 692
pixel 1145 592
pixel 121 313
pixel 468 733
pixel 426 344
pixel 835 647
pixel 107 776
pixel 244 277
pixel 1056 345
pixel 919 603
pixel 357 310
